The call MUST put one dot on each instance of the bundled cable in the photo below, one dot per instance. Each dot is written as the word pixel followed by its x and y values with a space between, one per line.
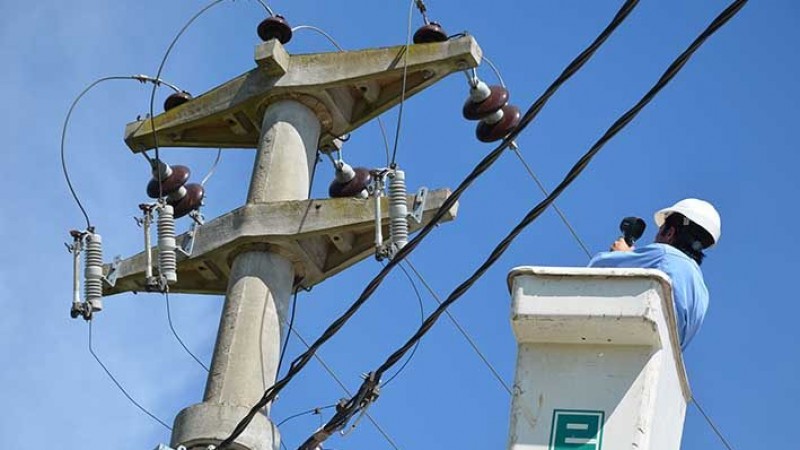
pixel 301 361
pixel 368 390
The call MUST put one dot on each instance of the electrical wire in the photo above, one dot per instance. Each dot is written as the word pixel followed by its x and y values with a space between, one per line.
pixel 367 389
pixel 558 210
pixel 213 168
pixel 404 86
pixel 64 138
pixel 711 424
pixel 177 337
pixel 461 329
pixel 315 411
pixel 341 49
pixel 266 8
pixel 303 359
pixel 319 31
pixel 288 333
pixel 422 318
pixel 495 70
pixel 347 391
pixel 119 386
pixel 158 76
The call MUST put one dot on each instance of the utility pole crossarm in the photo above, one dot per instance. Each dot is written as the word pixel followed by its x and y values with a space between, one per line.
pixel 321 237
pixel 344 89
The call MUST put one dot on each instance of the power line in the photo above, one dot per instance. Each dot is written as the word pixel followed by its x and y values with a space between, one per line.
pixel 158 76
pixel 345 389
pixel 303 359
pixel 366 392
pixel 119 386
pixel 404 85
pixel 558 211
pixel 422 317
pixel 288 333
pixel 177 337
pixel 711 424
pixel 64 138
pixel 461 329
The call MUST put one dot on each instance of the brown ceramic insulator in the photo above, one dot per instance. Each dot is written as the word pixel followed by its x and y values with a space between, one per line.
pixel 429 33
pixel 176 99
pixel 191 201
pixel 180 175
pixel 496 100
pixel 275 27
pixel 353 187
pixel 494 132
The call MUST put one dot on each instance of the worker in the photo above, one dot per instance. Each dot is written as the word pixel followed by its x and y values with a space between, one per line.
pixel 686 229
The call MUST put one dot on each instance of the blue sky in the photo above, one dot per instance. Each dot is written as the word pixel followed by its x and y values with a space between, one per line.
pixel 723 131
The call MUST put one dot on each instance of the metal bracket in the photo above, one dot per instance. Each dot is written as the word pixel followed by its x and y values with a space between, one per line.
pixel 419 204
pixel 164 447
pixel 111 277
pixel 187 245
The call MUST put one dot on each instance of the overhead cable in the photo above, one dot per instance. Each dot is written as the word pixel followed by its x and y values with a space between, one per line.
pixel 404 85
pixel 139 78
pixel 461 329
pixel 367 391
pixel 158 75
pixel 119 386
pixel 711 424
pixel 303 359
pixel 177 336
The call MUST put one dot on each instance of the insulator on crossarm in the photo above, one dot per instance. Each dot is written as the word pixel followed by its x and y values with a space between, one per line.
pixel 398 210
pixel 172 179
pixel 484 101
pixel 176 99
pixel 349 181
pixel 93 272
pixel 275 27
pixel 167 259
pixel 190 200
pixel 495 128
pixel 429 33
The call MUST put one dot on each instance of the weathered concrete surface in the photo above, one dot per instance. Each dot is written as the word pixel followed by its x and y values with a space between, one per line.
pixel 344 89
pixel 321 237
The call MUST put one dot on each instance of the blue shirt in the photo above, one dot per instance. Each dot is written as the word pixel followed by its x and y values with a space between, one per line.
pixel 688 288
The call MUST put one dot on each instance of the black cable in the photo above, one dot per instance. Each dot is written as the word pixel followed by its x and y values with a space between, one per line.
pixel 303 359
pixel 362 397
pixel 288 332
pixel 119 386
pixel 315 411
pixel 177 337
pixel 158 76
pixel 64 138
pixel 422 318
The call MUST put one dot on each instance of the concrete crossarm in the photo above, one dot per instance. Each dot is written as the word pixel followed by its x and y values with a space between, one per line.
pixel 321 237
pixel 344 89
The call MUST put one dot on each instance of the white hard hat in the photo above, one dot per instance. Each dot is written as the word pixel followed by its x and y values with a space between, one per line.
pixel 700 212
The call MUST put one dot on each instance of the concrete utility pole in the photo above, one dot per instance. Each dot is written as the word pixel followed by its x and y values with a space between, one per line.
pixel 288 107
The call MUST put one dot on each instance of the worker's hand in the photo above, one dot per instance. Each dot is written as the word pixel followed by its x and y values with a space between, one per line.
pixel 620 246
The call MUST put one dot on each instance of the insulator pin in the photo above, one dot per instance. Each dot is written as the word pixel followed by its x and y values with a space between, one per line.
pixel 167 259
pixel 93 271
pixel 429 33
pixel 275 27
